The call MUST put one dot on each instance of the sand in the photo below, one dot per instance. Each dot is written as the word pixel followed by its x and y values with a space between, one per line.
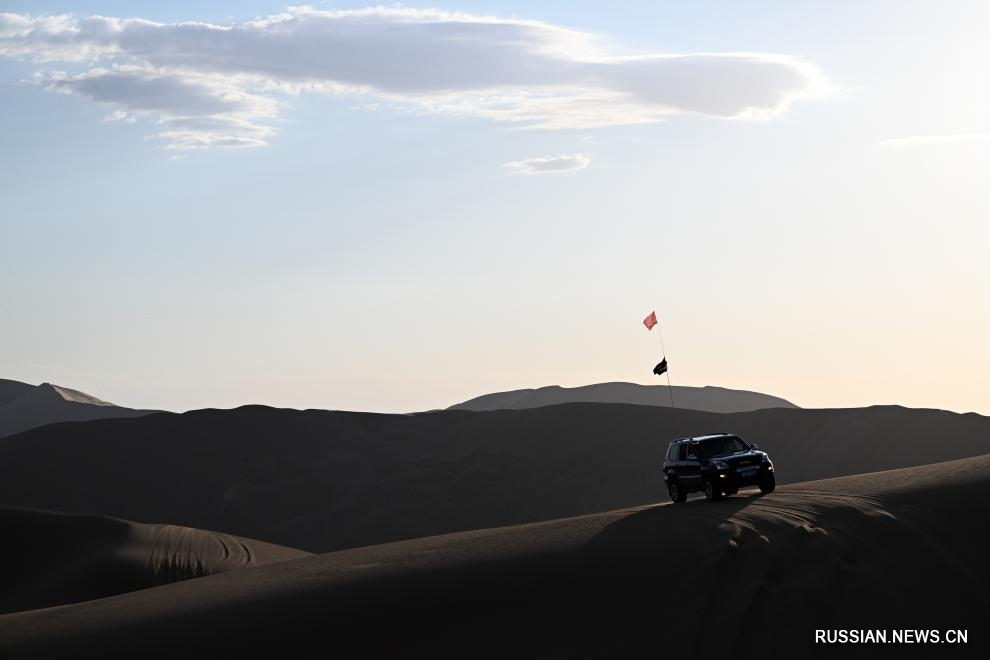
pixel 51 558
pixel 324 481
pixel 748 576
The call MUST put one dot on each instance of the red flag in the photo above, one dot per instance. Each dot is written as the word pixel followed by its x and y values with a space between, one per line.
pixel 650 320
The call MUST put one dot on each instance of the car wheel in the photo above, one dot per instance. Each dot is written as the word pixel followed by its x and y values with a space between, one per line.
pixel 768 484
pixel 711 493
pixel 676 494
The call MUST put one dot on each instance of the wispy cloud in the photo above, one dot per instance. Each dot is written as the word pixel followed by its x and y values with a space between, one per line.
pixel 190 110
pixel 947 138
pixel 549 164
pixel 225 85
pixel 121 116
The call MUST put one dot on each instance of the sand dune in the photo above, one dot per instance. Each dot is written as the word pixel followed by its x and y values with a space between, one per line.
pixel 11 389
pixel 49 558
pixel 749 576
pixel 24 406
pixel 325 481
pixel 711 399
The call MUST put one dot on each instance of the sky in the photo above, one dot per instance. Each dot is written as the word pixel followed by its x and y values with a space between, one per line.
pixel 396 208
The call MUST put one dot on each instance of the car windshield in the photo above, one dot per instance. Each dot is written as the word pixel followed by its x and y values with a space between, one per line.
pixel 729 444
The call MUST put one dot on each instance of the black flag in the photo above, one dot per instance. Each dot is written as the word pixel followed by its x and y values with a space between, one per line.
pixel 661 368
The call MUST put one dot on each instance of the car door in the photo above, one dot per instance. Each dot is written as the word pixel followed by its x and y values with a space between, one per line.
pixel 688 467
pixel 670 461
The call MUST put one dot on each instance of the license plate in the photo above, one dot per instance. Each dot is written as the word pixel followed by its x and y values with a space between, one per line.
pixel 748 472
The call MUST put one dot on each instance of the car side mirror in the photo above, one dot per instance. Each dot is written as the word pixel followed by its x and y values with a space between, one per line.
pixel 755 446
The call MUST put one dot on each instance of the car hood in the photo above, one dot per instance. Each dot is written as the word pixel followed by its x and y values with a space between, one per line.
pixel 742 459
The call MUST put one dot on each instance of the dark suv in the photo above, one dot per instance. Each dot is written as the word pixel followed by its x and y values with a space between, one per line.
pixel 718 464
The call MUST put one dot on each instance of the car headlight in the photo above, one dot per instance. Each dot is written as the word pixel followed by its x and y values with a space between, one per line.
pixel 720 465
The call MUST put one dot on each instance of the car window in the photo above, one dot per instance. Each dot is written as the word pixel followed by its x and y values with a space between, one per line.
pixel 719 446
pixel 705 448
pixel 672 452
pixel 682 451
pixel 735 444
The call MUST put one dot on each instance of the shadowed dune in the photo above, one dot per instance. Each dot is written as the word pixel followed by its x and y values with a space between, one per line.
pixel 11 389
pixel 325 481
pixel 49 558
pixel 749 576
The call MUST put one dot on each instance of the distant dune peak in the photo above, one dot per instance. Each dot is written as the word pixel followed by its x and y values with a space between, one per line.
pixel 709 398
pixel 24 407
pixel 76 396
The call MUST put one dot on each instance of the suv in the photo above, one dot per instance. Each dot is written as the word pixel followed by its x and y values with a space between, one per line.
pixel 718 464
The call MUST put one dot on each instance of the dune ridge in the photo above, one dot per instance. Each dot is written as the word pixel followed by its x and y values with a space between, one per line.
pixel 75 396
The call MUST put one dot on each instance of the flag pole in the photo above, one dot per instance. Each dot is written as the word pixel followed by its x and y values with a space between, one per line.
pixel 670 390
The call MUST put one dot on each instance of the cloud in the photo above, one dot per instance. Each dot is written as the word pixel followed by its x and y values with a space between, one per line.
pixel 57 38
pixel 121 116
pixel 549 164
pixel 947 138
pixel 530 73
